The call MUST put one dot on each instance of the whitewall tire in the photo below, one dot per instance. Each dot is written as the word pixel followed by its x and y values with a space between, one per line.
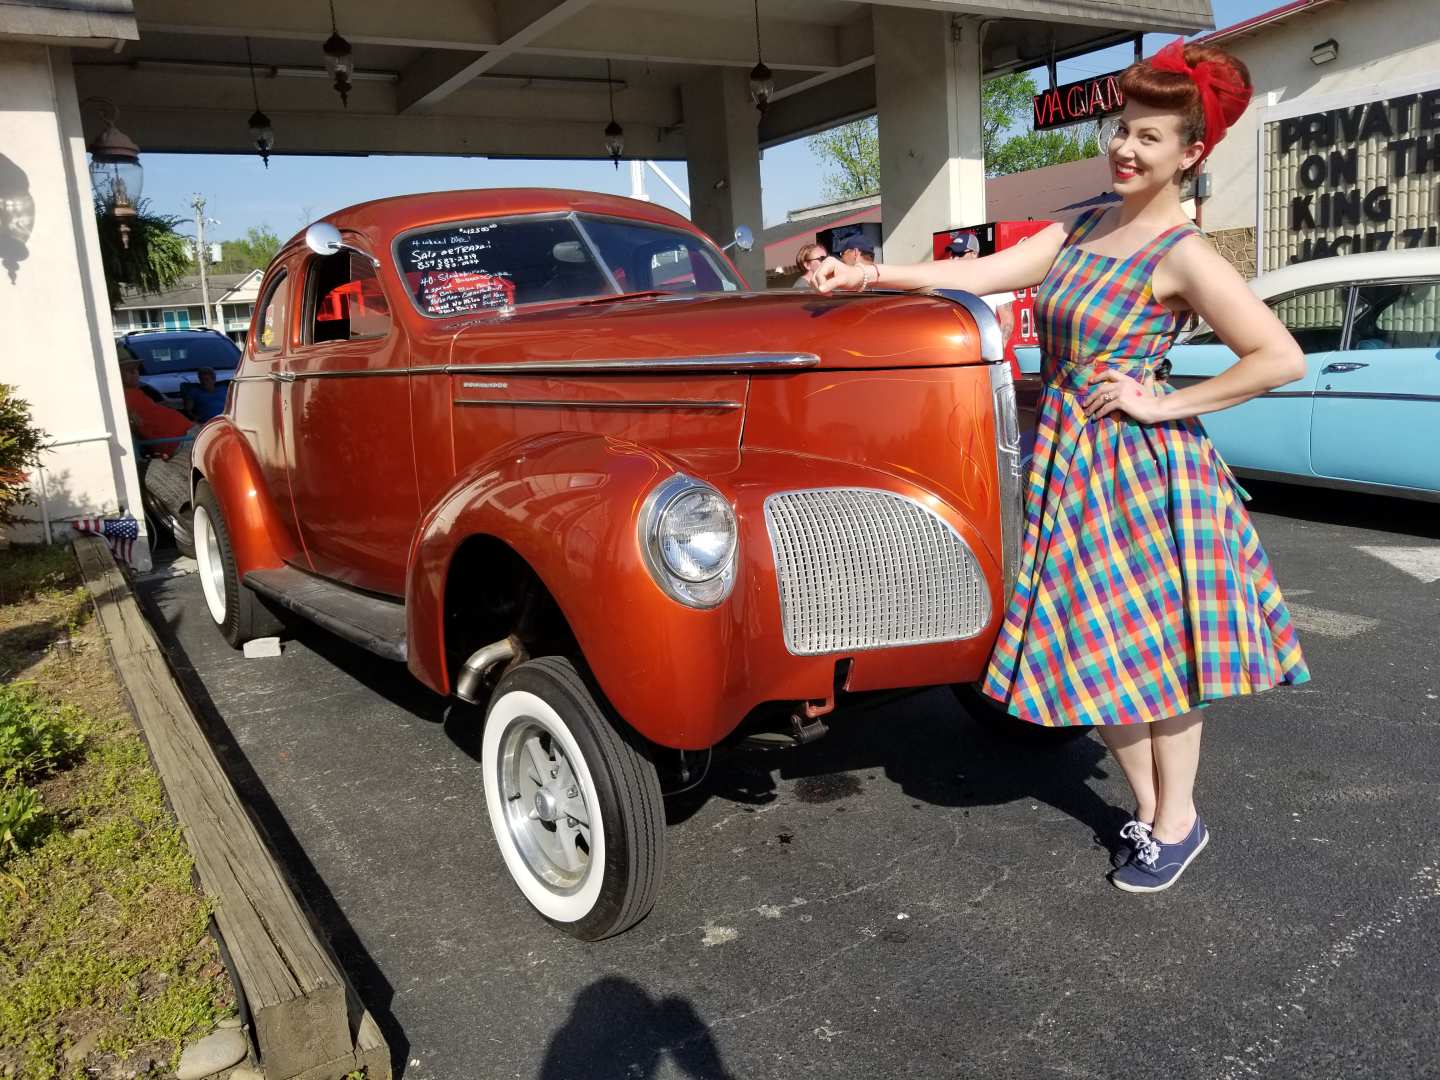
pixel 574 801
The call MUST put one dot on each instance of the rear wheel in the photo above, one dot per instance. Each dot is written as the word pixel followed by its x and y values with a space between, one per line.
pixel 237 612
pixel 991 715
pixel 574 802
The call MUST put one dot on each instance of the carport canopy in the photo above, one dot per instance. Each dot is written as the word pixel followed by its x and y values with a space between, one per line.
pixel 528 78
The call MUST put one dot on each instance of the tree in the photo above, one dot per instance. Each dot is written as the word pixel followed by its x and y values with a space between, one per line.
pixel 851 152
pixel 20 446
pixel 252 252
pixel 154 258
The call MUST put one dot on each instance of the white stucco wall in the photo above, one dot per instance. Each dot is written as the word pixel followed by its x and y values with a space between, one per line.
pixel 57 331
pixel 1381 42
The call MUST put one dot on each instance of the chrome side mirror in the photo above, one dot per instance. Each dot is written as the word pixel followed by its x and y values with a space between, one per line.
pixel 325 239
pixel 744 239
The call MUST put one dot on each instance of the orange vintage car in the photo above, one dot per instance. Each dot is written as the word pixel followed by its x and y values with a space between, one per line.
pixel 548 450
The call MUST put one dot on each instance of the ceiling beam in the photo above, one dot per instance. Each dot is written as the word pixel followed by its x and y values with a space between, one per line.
pixel 656 37
pixel 436 75
pixel 466 25
pixel 1156 16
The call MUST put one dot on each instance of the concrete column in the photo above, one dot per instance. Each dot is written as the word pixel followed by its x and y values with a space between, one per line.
pixel 60 352
pixel 723 161
pixel 932 150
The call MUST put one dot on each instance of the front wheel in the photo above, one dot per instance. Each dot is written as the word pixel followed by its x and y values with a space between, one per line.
pixel 574 802
pixel 989 714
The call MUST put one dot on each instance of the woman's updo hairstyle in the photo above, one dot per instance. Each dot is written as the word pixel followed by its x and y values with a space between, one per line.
pixel 1207 86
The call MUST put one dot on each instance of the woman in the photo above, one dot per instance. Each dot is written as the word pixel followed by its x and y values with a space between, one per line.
pixel 1143 590
pixel 807 259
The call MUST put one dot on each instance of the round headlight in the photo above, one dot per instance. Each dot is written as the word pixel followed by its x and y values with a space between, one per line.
pixel 696 535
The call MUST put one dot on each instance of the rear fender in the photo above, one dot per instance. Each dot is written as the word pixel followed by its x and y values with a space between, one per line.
pixel 223 458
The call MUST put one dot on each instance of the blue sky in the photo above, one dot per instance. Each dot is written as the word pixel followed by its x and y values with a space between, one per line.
pixel 240 192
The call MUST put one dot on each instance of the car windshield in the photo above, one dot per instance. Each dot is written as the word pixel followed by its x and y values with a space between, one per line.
pixel 164 355
pixel 478 266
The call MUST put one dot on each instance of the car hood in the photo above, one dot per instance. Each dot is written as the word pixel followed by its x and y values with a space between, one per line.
pixel 877 330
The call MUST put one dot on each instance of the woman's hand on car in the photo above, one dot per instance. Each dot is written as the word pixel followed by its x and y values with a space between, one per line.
pixel 832 274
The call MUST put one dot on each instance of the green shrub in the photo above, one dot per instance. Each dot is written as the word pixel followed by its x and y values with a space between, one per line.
pixel 20 446
pixel 19 818
pixel 35 735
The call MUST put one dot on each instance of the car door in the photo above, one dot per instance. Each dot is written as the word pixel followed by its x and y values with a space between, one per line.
pixel 352 470
pixel 1270 433
pixel 1377 405
pixel 257 403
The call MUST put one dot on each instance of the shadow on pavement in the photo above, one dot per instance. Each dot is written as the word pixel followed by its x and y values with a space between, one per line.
pixel 373 989
pixel 1348 508
pixel 616 1030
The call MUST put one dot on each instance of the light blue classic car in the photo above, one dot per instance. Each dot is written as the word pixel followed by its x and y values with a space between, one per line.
pixel 1366 415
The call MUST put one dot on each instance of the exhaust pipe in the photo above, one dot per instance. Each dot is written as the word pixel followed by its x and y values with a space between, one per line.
pixel 481 661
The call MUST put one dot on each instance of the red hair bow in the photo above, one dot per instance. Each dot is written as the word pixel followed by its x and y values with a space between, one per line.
pixel 1222 95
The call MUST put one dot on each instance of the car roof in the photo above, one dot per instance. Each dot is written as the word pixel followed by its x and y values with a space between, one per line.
pixel 174 333
pixel 400 213
pixel 1345 269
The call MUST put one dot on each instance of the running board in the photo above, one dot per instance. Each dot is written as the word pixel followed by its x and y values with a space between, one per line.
pixel 369 621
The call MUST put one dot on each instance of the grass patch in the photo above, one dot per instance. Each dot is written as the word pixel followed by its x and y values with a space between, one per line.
pixel 102 931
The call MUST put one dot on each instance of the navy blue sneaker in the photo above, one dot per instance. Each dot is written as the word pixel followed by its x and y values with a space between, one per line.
pixel 1132 833
pixel 1156 866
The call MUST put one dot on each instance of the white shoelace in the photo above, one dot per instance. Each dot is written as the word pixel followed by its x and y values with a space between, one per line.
pixel 1135 831
pixel 1147 850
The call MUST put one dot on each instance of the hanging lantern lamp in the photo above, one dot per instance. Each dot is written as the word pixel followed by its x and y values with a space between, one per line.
pixel 116 175
pixel 614 133
pixel 261 133
pixel 762 79
pixel 338 60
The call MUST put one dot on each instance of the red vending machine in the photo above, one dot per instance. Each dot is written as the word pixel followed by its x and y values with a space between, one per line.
pixel 995 236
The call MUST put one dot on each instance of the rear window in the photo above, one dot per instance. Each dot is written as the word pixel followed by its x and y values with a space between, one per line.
pixel 163 355
pixel 647 257
pixel 482 266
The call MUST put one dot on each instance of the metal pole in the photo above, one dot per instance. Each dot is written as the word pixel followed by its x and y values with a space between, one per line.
pixel 201 253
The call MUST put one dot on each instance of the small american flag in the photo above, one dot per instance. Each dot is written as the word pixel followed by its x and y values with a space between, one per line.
pixel 120 533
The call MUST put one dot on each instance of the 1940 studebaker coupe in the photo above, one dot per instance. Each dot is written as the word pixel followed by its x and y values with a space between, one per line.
pixel 545 448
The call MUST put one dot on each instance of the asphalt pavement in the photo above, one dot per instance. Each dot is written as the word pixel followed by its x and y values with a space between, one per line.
pixel 910 896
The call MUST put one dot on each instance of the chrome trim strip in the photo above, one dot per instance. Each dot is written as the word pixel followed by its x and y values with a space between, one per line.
pixel 1360 486
pixel 992 344
pixel 1377 396
pixel 737 362
pixel 575 403
pixel 1010 473
pixel 358 373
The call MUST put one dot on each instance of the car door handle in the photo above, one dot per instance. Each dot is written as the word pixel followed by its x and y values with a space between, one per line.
pixel 283 376
pixel 1331 369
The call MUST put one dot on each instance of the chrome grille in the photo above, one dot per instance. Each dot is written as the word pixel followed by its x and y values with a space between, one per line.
pixel 863 569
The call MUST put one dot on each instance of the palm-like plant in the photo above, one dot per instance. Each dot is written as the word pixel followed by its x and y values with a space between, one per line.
pixel 155 257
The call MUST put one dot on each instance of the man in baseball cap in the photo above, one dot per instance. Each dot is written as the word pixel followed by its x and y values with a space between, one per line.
pixel 965 244
pixel 856 249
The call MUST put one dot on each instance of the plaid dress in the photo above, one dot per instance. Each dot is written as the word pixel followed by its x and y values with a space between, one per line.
pixel 1143 591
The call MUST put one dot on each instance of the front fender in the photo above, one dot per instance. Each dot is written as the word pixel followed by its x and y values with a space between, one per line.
pixel 684 678
pixel 222 457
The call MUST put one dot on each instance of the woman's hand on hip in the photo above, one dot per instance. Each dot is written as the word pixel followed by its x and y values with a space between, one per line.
pixel 832 275
pixel 1114 391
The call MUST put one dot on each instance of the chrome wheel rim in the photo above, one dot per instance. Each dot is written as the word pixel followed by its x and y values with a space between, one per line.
pixel 547 814
pixel 212 569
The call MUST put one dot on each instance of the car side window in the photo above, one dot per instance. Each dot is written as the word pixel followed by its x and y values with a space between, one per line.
pixel 346 301
pixel 270 330
pixel 1314 317
pixel 1397 315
